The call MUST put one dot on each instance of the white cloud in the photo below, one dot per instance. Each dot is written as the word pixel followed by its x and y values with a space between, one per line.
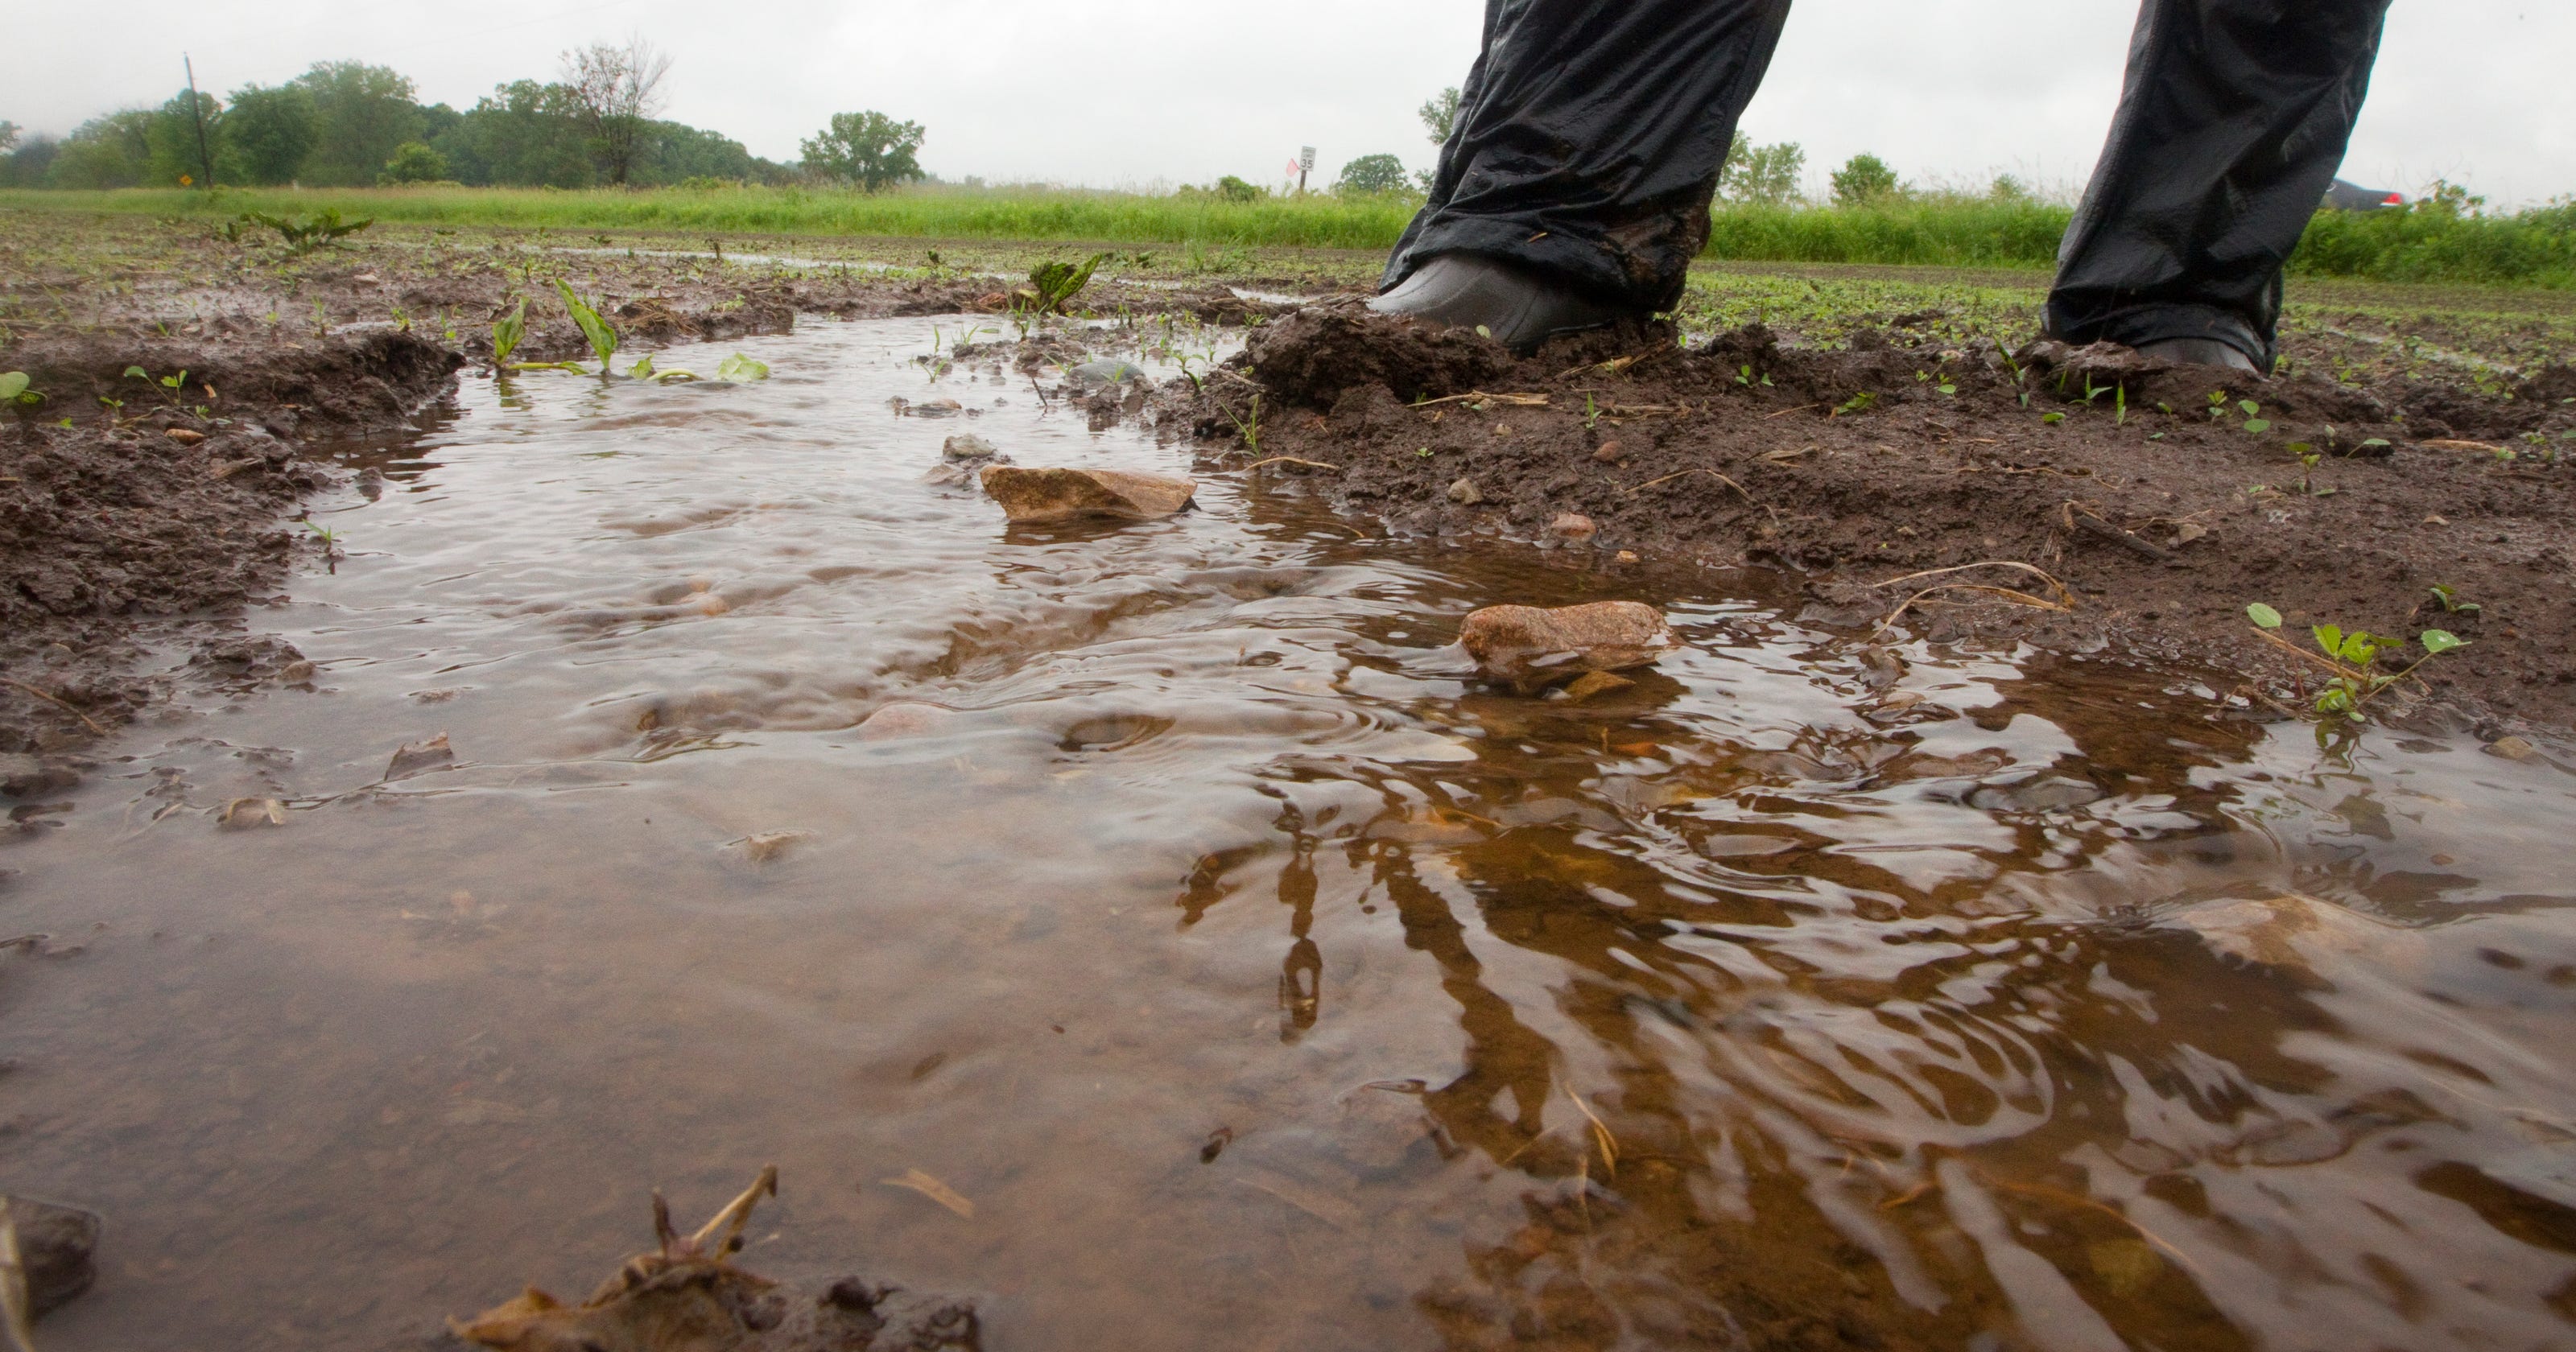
pixel 1088 91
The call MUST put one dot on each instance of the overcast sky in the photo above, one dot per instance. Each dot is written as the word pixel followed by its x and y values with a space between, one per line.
pixel 1170 91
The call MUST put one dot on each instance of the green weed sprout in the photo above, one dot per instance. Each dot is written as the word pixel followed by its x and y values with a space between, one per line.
pixel 603 339
pixel 2352 658
pixel 507 331
pixel 13 390
pixel 1056 283
pixel 739 369
pixel 311 233
pixel 2452 603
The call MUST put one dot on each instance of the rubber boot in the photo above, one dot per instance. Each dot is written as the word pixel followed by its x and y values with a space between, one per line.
pixel 2201 352
pixel 1515 306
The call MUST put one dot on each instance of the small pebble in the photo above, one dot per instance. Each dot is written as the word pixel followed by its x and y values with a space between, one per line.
pixel 2512 748
pixel 1572 527
pixel 1465 493
pixel 1609 454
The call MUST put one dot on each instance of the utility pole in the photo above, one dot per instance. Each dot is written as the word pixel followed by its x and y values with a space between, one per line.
pixel 205 155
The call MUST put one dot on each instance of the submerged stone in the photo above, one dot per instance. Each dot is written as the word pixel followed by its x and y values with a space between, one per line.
pixel 1532 648
pixel 1042 495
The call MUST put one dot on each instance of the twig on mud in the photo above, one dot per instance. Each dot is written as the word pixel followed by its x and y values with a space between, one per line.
pixel 1787 411
pixel 1515 400
pixel 58 702
pixel 1784 457
pixel 2078 519
pixel 1618 364
pixel 2065 598
pixel 1292 460
pixel 1748 497
pixel 1045 404
pixel 2019 598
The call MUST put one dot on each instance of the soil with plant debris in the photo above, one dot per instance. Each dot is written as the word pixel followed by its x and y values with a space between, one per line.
pixel 2078 499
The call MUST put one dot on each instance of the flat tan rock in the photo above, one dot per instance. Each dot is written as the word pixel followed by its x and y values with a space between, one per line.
pixel 1533 648
pixel 1042 495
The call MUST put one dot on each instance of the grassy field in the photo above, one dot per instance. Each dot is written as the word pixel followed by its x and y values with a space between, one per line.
pixel 2532 249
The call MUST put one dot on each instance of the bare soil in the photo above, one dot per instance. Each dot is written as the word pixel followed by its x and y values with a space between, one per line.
pixel 2135 508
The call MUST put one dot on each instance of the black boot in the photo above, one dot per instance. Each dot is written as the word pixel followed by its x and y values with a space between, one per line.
pixel 1514 306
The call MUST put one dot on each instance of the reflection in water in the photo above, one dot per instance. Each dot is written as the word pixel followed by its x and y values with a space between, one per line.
pixel 1262 980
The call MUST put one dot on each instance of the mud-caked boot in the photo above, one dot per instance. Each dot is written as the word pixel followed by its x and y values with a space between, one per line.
pixel 1517 307
pixel 2200 352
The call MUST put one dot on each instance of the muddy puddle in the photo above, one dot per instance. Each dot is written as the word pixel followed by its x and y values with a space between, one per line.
pixel 1242 974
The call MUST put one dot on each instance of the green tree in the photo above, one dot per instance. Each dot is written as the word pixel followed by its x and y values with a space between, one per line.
pixel 113 151
pixel 366 113
pixel 1373 173
pixel 270 132
pixel 26 166
pixel 1439 115
pixel 869 149
pixel 175 152
pixel 522 134
pixel 413 162
pixel 1864 178
pixel 2007 188
pixel 8 135
pixel 1763 174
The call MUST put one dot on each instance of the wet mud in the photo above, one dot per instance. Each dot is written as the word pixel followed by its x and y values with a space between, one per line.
pixel 2158 503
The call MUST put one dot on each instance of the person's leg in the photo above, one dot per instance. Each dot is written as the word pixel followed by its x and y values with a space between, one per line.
pixel 1590 134
pixel 2233 123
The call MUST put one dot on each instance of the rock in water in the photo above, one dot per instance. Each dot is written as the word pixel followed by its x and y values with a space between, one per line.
pixel 1109 371
pixel 1044 495
pixel 57 1248
pixel 966 446
pixel 1532 648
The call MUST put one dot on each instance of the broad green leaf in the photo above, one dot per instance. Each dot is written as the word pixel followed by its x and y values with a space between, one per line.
pixel 137 373
pixel 603 339
pixel 641 370
pixel 2440 641
pixel 2252 409
pixel 12 384
pixel 2329 638
pixel 739 368
pixel 2258 426
pixel 2263 616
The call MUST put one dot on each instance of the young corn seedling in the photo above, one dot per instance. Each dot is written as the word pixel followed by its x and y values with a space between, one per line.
pixel 506 333
pixel 2351 658
pixel 602 338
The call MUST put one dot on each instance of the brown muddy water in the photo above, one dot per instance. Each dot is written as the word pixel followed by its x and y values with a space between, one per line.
pixel 1259 980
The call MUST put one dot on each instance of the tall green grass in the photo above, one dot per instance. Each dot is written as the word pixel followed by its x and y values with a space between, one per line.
pixel 2531 249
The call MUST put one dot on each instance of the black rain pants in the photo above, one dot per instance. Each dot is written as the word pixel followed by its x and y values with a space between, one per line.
pixel 1590 135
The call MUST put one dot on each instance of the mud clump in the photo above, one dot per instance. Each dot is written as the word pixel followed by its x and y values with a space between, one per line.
pixel 57 1251
pixel 1311 356
pixel 112 523
pixel 686 1295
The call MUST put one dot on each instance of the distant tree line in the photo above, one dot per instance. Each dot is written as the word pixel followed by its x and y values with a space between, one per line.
pixel 349 124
